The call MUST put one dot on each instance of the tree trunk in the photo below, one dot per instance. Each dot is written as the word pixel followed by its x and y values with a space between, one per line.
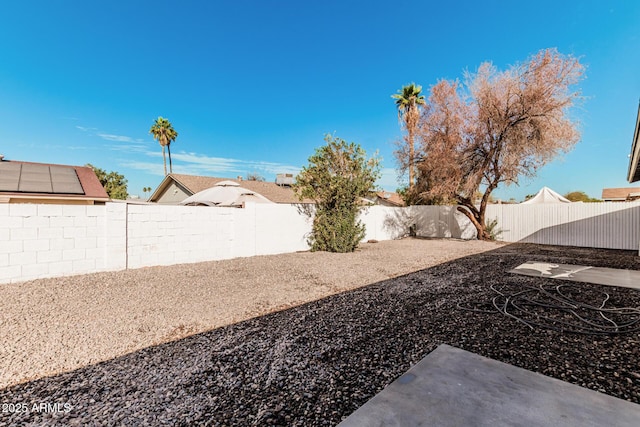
pixel 164 161
pixel 477 220
pixel 170 164
pixel 411 155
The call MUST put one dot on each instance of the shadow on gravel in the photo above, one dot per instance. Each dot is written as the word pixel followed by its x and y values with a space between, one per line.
pixel 315 364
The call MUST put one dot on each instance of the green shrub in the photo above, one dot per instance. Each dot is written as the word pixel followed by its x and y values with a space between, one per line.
pixel 336 231
pixel 337 177
pixel 493 230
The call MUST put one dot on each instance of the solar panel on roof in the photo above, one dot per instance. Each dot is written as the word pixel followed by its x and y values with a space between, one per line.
pixel 9 176
pixel 34 168
pixel 37 178
pixel 35 185
pixel 65 180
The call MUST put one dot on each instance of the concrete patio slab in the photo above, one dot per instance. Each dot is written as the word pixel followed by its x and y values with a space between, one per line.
pixel 453 387
pixel 581 273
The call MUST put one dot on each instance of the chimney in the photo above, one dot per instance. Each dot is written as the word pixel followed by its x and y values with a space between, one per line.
pixel 1 157
pixel 284 179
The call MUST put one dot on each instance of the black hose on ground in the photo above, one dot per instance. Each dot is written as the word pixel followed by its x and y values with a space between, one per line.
pixel 556 307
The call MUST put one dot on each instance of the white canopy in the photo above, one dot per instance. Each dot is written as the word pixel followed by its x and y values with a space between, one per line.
pixel 546 195
pixel 225 193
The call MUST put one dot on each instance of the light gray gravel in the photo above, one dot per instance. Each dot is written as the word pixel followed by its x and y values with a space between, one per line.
pixel 51 326
pixel 316 363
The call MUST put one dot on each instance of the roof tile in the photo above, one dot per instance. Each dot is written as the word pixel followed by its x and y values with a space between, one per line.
pixel 270 190
pixel 619 193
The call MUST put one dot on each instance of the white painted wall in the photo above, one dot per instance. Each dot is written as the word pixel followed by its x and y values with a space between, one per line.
pixel 51 240
pixel 279 228
pixel 54 240
pixel 40 241
pixel 166 235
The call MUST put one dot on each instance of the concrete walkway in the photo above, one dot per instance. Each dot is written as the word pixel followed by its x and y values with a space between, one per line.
pixel 453 387
pixel 581 273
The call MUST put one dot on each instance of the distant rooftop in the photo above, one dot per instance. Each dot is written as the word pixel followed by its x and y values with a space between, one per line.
pixel 44 181
pixel 620 194
pixel 39 178
pixel 195 183
pixel 391 198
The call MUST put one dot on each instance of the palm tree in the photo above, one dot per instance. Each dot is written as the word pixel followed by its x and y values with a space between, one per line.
pixel 165 134
pixel 408 100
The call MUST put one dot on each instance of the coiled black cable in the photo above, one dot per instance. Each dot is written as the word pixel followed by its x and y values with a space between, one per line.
pixel 558 308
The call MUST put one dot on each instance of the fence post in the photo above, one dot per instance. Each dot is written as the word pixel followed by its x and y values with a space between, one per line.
pixel 115 236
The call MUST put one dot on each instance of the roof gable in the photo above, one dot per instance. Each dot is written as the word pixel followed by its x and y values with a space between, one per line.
pixel 391 198
pixel 196 183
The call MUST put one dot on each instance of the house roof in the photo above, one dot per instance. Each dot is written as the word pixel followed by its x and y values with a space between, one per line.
pixel 634 159
pixel 620 193
pixel 225 193
pixel 37 181
pixel 391 198
pixel 195 184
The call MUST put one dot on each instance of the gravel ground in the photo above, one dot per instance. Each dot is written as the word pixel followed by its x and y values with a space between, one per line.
pixel 315 363
pixel 56 325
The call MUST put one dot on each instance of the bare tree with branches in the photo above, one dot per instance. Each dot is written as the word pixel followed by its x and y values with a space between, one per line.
pixel 494 129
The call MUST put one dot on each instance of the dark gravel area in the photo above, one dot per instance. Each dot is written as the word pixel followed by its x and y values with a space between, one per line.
pixel 315 364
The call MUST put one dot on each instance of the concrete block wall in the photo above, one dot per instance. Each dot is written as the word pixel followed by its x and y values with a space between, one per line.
pixel 38 241
pixel 166 235
pixel 50 240
pixel 244 231
pixel 115 236
pixel 280 229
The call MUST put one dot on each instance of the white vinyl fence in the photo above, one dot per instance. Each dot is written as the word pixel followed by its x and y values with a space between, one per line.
pixel 612 225
pixel 39 241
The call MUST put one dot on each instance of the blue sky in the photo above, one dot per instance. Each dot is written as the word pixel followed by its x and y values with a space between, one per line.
pixel 253 86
